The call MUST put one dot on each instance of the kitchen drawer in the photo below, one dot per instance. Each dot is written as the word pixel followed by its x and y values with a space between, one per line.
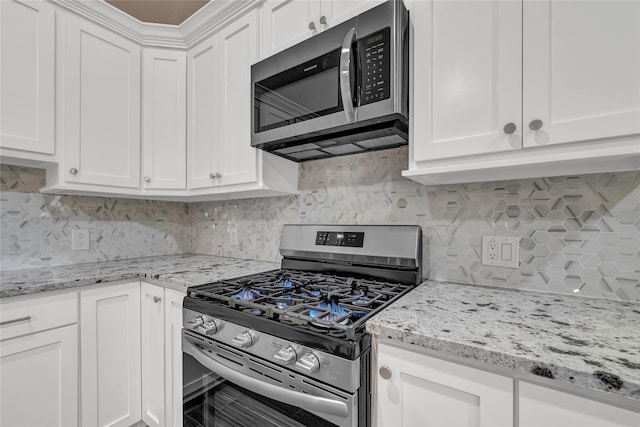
pixel 37 314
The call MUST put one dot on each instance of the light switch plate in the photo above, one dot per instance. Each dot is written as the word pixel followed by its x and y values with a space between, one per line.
pixel 80 240
pixel 501 251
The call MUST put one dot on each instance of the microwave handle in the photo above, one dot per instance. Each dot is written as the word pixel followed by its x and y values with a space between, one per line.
pixel 301 400
pixel 345 77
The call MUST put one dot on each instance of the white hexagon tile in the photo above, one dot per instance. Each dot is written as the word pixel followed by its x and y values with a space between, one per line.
pixel 578 234
pixel 35 229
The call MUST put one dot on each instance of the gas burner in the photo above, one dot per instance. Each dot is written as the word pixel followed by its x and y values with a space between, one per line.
pixel 247 294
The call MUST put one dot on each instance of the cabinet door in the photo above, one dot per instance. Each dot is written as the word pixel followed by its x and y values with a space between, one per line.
pixel 424 391
pixel 110 355
pixel 541 406
pixel 153 354
pixel 202 73
pixel 338 11
pixel 581 70
pixel 237 50
pixel 27 48
pixel 287 22
pixel 164 119
pixel 467 78
pixel 102 98
pixel 39 374
pixel 173 356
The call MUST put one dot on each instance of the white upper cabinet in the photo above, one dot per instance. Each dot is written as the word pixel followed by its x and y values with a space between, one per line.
pixel 467 78
pixel 581 70
pixel 237 51
pixel 164 98
pixel 27 77
pixel 102 99
pixel 287 22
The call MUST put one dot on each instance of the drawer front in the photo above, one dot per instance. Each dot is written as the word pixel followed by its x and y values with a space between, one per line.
pixel 37 314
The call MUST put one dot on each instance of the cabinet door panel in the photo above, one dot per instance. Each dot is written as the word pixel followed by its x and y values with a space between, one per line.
pixel 581 70
pixel 338 11
pixel 286 22
pixel 467 78
pixel 201 113
pixel 153 354
pixel 165 119
pixel 541 406
pixel 39 374
pixel 428 392
pixel 27 47
pixel 110 355
pixel 173 356
pixel 102 130
pixel 238 49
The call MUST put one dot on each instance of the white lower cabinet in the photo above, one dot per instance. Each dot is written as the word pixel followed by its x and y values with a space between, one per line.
pixel 39 365
pixel 541 406
pixel 418 390
pixel 110 355
pixel 161 355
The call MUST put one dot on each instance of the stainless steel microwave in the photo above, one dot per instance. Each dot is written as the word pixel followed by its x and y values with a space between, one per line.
pixel 343 91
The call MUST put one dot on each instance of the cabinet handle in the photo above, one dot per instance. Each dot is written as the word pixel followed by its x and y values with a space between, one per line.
pixel 73 171
pixel 312 26
pixel 535 124
pixel 21 319
pixel 156 299
pixel 147 179
pixel 323 20
pixel 509 128
pixel 385 372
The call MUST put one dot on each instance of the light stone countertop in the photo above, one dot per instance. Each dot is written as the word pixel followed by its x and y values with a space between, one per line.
pixel 587 342
pixel 176 271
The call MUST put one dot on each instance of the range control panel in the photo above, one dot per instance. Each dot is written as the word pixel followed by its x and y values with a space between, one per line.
pixel 340 238
pixel 375 61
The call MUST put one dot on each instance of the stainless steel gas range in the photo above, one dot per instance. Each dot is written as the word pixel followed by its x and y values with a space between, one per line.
pixel 288 347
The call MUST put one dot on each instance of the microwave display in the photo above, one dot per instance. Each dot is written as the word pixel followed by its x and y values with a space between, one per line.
pixel 376 67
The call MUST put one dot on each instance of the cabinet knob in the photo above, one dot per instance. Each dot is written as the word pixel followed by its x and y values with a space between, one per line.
pixel 385 372
pixel 509 128
pixel 312 26
pixel 73 171
pixel 212 175
pixel 535 124
pixel 218 176
pixel 147 179
pixel 156 299
pixel 323 20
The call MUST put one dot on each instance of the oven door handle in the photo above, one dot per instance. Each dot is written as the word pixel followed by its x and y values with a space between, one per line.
pixel 345 75
pixel 304 401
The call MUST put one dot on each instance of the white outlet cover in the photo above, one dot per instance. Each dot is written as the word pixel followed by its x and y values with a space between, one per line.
pixel 501 251
pixel 80 240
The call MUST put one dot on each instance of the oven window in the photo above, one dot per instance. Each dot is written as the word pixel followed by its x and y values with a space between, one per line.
pixel 301 93
pixel 211 401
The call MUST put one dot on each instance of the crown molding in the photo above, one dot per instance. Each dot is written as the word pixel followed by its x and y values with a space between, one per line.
pixel 206 21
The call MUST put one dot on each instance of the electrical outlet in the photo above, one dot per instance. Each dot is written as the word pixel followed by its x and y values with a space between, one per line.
pixel 501 251
pixel 80 240
pixel 233 236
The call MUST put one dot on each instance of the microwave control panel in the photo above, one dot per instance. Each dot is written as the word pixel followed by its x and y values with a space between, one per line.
pixel 375 56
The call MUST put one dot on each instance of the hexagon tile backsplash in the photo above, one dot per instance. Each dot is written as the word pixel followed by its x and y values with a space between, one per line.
pixel 35 228
pixel 578 234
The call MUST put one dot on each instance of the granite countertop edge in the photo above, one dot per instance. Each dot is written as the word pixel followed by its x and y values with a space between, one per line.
pixel 403 323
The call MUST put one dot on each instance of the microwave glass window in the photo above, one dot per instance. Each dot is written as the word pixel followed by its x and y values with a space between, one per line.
pixel 301 93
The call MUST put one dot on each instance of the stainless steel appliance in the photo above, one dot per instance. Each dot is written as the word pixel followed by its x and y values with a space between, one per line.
pixel 342 91
pixel 288 347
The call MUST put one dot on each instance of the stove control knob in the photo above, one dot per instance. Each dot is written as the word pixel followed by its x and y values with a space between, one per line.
pixel 195 322
pixel 244 340
pixel 308 364
pixel 208 327
pixel 286 355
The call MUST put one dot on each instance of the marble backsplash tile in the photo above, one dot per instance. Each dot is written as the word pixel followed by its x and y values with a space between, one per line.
pixel 579 235
pixel 35 229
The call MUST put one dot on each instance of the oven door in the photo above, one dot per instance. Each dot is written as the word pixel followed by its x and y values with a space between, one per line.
pixel 224 386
